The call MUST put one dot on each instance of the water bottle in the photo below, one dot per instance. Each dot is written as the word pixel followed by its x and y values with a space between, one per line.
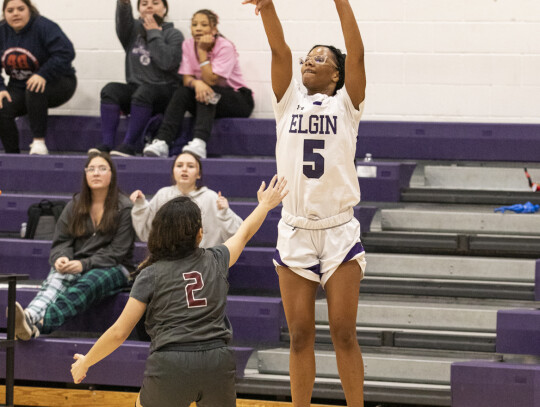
pixel 367 157
pixel 23 229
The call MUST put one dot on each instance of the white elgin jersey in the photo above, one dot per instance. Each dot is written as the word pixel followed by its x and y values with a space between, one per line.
pixel 315 151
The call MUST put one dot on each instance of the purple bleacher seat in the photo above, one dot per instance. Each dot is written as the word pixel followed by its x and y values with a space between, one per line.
pixel 14 208
pixel 69 133
pixel 254 271
pixel 395 176
pixel 495 384
pixel 235 178
pixel 254 319
pixel 449 141
pixel 537 281
pixel 388 140
pixel 518 331
pixel 230 136
pixel 49 360
pixel 26 257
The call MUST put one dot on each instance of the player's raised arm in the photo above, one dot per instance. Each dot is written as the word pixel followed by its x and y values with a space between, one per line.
pixel 281 53
pixel 355 73
pixel 268 198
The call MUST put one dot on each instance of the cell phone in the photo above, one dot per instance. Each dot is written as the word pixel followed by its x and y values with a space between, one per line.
pixel 214 98
pixel 159 19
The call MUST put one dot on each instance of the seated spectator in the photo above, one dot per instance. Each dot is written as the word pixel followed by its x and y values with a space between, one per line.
pixel 91 254
pixel 218 221
pixel 213 88
pixel 184 289
pixel 153 54
pixel 37 57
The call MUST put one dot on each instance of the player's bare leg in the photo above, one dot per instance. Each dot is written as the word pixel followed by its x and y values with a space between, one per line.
pixel 298 295
pixel 342 291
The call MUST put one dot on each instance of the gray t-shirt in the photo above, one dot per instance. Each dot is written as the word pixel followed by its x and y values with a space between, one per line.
pixel 186 298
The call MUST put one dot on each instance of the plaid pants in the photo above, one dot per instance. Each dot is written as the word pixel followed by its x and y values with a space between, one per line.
pixel 63 296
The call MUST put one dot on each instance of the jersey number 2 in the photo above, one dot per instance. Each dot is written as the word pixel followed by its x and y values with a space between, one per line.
pixel 194 283
pixel 315 168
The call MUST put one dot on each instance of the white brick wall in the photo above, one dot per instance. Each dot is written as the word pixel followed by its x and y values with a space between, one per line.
pixel 432 60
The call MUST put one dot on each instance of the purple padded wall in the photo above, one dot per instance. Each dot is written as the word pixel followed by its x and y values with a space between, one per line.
pixel 388 140
pixel 449 141
pixel 495 384
pixel 254 319
pixel 238 178
pixel 518 331
pixel 49 360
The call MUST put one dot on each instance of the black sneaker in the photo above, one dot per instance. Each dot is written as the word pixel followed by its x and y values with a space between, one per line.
pixel 123 150
pixel 102 148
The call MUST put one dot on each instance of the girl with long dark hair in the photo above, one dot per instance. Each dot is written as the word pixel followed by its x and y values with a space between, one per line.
pixel 91 254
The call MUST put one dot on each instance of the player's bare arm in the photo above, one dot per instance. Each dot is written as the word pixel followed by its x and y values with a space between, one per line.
pixel 268 198
pixel 281 53
pixel 355 73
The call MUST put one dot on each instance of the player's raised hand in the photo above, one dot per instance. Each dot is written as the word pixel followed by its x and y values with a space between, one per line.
pixel 271 197
pixel 259 4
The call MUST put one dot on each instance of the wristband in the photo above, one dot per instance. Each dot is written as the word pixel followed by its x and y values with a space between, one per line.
pixel 204 63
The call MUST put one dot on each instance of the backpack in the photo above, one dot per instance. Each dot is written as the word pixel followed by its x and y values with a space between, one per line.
pixel 42 219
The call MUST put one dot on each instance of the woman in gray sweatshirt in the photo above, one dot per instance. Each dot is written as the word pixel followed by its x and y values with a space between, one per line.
pixel 91 254
pixel 153 53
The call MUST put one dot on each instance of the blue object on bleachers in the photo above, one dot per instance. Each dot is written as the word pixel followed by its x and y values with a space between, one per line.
pixel 384 140
pixel 527 207
pixel 518 331
pixel 495 384
pixel 49 360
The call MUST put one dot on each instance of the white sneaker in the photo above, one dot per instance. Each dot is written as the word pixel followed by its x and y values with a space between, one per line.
pixel 158 148
pixel 38 147
pixel 196 146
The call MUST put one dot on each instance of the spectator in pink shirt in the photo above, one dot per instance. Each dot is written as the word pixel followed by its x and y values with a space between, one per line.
pixel 213 88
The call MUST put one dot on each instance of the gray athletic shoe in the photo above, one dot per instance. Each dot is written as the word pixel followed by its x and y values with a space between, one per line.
pixel 158 148
pixel 24 328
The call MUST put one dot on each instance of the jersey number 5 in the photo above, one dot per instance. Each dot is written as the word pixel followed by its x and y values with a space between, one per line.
pixel 316 167
pixel 194 283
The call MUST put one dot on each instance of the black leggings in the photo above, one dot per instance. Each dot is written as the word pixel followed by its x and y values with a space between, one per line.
pixel 124 94
pixel 232 104
pixel 34 104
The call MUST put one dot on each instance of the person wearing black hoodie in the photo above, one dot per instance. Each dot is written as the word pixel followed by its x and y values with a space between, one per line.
pixel 37 56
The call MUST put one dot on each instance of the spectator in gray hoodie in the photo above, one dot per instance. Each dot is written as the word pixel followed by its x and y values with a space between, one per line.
pixel 218 220
pixel 153 54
